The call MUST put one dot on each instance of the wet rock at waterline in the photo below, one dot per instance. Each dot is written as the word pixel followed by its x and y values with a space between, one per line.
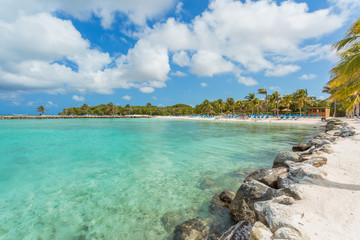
pixel 301 147
pixel 267 176
pixel 282 157
pixel 193 229
pixel 242 207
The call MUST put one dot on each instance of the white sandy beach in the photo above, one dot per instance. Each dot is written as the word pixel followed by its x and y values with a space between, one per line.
pixel 331 209
pixel 308 121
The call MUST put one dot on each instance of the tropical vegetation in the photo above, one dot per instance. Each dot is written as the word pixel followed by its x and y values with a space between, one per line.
pixel 264 102
pixel 344 84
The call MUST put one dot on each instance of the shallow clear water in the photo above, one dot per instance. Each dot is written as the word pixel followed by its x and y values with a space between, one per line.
pixel 116 178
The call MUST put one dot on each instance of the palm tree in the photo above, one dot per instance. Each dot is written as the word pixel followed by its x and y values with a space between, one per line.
pixel 256 103
pixel 111 108
pixel 207 107
pixel 85 108
pixel 149 106
pixel 249 99
pixel 287 100
pixel 345 77
pixel 128 107
pixel 220 103
pixel 327 89
pixel 231 103
pixel 275 97
pixel 240 104
pixel 264 91
pixel 41 109
pixel 301 98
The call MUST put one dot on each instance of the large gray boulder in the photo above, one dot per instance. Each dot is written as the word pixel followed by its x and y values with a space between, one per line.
pixel 242 207
pixel 276 215
pixel 267 176
pixel 282 157
pixel 240 231
pixel 305 172
pixel 260 232
pixel 316 161
pixel 319 142
pixel 193 229
pixel 290 189
pixel 288 233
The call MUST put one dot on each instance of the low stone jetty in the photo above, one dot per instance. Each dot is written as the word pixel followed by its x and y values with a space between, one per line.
pixel 261 208
pixel 72 116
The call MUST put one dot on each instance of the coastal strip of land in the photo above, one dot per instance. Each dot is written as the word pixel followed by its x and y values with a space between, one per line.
pixel 304 121
pixel 311 192
pixel 71 116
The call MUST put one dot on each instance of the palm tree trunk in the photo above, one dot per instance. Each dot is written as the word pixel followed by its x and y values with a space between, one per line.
pixel 334 115
pixel 277 109
pixel 267 104
pixel 300 111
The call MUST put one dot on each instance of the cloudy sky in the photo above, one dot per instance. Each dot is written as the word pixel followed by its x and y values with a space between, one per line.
pixel 64 53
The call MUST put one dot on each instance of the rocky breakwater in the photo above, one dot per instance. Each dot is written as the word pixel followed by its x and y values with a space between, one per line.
pixel 261 208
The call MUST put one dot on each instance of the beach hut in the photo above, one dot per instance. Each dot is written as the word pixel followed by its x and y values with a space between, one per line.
pixel 320 111
pixel 286 110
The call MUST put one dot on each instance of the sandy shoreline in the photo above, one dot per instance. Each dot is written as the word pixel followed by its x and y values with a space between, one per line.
pixel 331 207
pixel 306 121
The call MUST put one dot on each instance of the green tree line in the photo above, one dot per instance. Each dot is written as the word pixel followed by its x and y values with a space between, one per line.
pixel 254 103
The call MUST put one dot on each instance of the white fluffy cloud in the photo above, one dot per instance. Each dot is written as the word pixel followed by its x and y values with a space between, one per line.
pixel 138 11
pixel 208 63
pixel 203 84
pixel 308 76
pixel 41 63
pixel 42 53
pixel 179 74
pixel 181 58
pixel 281 70
pixel 126 97
pixel 78 98
pixel 247 81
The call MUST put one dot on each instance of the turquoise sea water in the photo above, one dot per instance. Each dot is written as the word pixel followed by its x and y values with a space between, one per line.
pixel 116 178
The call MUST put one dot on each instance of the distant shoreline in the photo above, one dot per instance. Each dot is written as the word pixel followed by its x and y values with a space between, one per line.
pixel 70 117
pixel 302 121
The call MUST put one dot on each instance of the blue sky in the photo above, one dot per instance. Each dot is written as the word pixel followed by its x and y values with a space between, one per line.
pixel 67 53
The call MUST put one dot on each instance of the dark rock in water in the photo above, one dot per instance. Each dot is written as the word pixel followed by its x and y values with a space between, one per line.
pixel 240 231
pixel 193 229
pixel 317 161
pixel 301 147
pixel 267 176
pixel 221 218
pixel 206 183
pixel 170 220
pixel 285 156
pixel 221 200
pixel 226 197
pixel 242 207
